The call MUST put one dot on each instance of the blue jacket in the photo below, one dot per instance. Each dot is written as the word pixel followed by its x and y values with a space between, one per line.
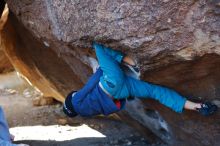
pixel 92 100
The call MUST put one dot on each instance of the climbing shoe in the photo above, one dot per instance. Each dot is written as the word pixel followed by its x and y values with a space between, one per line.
pixel 207 109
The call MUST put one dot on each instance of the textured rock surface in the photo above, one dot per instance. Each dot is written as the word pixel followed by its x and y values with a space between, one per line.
pixel 156 33
pixel 176 43
pixel 5 65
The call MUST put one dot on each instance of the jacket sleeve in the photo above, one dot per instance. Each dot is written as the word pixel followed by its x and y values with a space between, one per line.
pixel 93 80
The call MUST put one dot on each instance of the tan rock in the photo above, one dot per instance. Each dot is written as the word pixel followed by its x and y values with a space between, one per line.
pixel 42 101
pixel 62 121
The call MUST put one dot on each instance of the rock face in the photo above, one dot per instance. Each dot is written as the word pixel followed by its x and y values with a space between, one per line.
pixel 176 43
pixel 5 65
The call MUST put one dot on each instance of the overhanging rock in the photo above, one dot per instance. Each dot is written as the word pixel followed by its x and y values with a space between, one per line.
pixel 176 43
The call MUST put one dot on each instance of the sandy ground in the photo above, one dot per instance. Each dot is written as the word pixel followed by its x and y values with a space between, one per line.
pixel 41 126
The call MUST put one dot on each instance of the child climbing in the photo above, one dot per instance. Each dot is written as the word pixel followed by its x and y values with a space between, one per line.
pixel 107 90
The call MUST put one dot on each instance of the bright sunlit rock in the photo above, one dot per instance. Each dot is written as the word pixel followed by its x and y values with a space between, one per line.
pixel 54 132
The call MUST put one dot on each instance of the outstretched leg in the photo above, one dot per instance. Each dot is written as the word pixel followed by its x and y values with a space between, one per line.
pixel 164 95
pixel 167 97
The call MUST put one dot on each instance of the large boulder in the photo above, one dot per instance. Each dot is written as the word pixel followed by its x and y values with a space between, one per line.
pixel 176 44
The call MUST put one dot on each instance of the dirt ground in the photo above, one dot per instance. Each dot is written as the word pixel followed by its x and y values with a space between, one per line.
pixel 48 126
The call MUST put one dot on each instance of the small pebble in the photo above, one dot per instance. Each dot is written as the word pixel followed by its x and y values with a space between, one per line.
pixel 62 121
